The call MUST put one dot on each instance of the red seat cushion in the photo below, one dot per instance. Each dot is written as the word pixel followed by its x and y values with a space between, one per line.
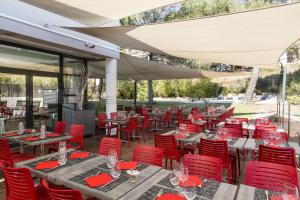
pixel 21 157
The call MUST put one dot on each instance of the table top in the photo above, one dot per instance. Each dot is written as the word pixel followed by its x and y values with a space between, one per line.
pixel 235 143
pixel 160 181
pixel 253 144
pixel 246 192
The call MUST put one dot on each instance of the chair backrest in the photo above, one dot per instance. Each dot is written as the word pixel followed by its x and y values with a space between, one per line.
pixel 204 166
pixel 167 143
pixel 113 115
pixel 241 119
pixel 60 127
pixel 133 123
pixel 144 111
pixel 19 184
pixel 108 143
pixel 270 176
pixel 148 154
pixel 5 154
pixel 58 194
pixel 279 155
pixel 235 132
pixel 195 111
pixel 233 125
pixel 102 117
pixel 167 116
pixel 146 121
pixel 77 131
pixel 192 128
pixel 214 148
pixel 260 129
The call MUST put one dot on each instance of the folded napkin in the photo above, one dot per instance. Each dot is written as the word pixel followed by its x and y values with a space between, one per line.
pixel 31 138
pixel 180 136
pixel 126 165
pixel 287 197
pixel 53 134
pixel 192 180
pixel 98 180
pixel 11 134
pixel 273 142
pixel 47 165
pixel 77 155
pixel 170 196
pixel 28 131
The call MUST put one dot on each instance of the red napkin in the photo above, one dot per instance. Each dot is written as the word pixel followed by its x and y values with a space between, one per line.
pixel 273 142
pixel 126 165
pixel 52 134
pixel 31 138
pixel 280 197
pixel 47 165
pixel 223 137
pixel 180 136
pixel 11 134
pixel 170 196
pixel 98 180
pixel 192 180
pixel 76 155
pixel 28 131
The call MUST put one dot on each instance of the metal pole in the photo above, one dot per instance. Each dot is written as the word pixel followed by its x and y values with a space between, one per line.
pixel 283 92
pixel 134 94
pixel 289 119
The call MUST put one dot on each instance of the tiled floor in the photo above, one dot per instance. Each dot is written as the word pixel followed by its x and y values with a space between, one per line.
pixel 92 145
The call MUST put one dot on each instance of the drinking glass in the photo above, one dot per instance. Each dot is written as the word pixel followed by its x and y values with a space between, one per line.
pixel 62 150
pixel 177 168
pixel 189 190
pixel 173 178
pixel 115 173
pixel 43 131
pixel 112 158
pixel 291 191
pixel 183 174
pixel 21 128
pixel 132 175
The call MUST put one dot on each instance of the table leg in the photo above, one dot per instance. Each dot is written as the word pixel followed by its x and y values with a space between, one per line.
pixel 42 149
pixel 21 148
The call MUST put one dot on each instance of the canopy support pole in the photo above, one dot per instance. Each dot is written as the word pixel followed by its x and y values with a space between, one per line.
pixel 111 87
pixel 283 92
pixel 134 94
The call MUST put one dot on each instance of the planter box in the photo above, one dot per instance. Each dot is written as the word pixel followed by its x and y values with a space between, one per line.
pixel 84 117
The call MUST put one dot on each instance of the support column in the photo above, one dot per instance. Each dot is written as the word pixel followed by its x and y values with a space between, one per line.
pixel 111 85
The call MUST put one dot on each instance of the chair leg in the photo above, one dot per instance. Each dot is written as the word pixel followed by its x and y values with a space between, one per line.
pixel 229 173
pixel 171 164
pixel 166 163
pixel 238 160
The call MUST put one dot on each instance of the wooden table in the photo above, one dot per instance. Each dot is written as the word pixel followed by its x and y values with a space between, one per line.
pixel 20 139
pixel 253 144
pixel 160 181
pixel 246 192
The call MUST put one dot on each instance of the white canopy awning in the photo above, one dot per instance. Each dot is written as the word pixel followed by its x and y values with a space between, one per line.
pixel 252 38
pixel 130 67
pixel 98 12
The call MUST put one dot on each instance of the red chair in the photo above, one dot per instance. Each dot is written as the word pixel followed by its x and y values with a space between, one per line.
pixel 10 158
pixel 19 185
pixel 185 121
pixel 263 134
pixel 270 176
pixel 169 145
pixel 60 127
pixel 148 154
pixel 114 115
pixel 219 149
pixel 165 121
pixel 130 129
pixel 76 142
pixel 204 166
pixel 259 129
pixel 236 132
pixel 178 117
pixel 279 155
pixel 61 194
pixel 192 128
pixel 145 125
pixel 245 120
pixel 103 124
pixel 108 143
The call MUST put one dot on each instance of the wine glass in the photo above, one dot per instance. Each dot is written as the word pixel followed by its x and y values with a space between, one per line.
pixel 183 174
pixel 173 178
pixel 112 158
pixel 62 150
pixel 189 190
pixel 290 191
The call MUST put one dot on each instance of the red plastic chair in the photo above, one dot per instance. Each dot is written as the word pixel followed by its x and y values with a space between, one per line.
pixel 165 121
pixel 279 155
pixel 204 166
pixel 169 145
pixel 270 176
pixel 148 154
pixel 245 120
pixel 113 115
pixel 263 134
pixel 259 129
pixel 178 117
pixel 192 128
pixel 19 185
pixel 236 132
pixel 219 149
pixel 60 127
pixel 103 124
pixel 7 157
pixel 145 125
pixel 130 129
pixel 108 143
pixel 58 194
pixel 77 142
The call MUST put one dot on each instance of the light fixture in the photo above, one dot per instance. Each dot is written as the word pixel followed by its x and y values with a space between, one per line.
pixel 89 45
